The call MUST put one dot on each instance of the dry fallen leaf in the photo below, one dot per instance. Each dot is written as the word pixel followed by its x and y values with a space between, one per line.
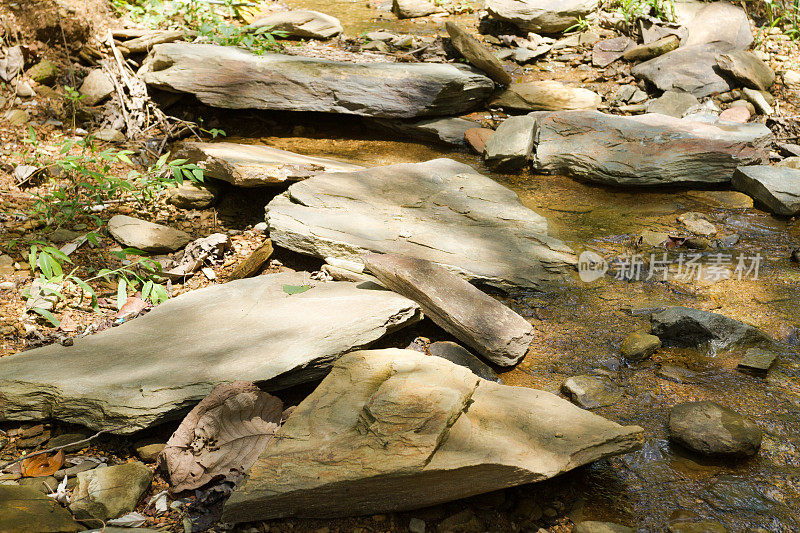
pixel 42 464
pixel 222 436
pixel 132 307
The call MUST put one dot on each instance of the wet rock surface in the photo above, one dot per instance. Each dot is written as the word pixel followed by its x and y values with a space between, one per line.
pixel 710 429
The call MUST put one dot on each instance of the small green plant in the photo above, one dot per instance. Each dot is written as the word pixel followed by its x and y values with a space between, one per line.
pixel 581 25
pixel 73 96
pixel 88 178
pixel 633 9
pixel 782 13
pixel 49 264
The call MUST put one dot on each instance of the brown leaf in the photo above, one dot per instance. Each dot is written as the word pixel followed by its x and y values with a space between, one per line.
pixel 132 307
pixel 222 436
pixel 42 464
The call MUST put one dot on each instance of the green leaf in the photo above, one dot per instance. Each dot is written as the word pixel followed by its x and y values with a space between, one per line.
pixel 122 293
pixel 146 288
pixel 47 315
pixel 85 288
pixel 295 289
pixel 159 294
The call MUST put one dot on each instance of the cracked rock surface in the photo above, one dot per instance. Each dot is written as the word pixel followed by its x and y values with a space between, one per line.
pixel 395 429
pixel 441 211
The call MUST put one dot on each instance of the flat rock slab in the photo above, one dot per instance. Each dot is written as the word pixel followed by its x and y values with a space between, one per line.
pixel 541 16
pixel 255 165
pixel 683 326
pixel 392 430
pixel 546 95
pixel 496 332
pixel 778 188
pixel 647 149
pixel 757 360
pixel 691 69
pixel 440 210
pixel 147 236
pixel 231 78
pixel 25 509
pixel 477 54
pixel 302 23
pixel 156 367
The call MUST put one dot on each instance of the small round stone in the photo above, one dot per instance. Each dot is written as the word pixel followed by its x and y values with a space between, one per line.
pixel 710 429
pixel 639 346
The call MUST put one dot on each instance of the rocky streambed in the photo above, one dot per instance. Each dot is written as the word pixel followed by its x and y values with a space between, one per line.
pixel 627 285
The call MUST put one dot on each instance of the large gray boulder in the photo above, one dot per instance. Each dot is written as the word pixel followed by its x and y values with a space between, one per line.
pixel 647 149
pixel 683 326
pixel 440 210
pixel 496 332
pixel 255 165
pixel 541 16
pixel 720 22
pixel 156 367
pixel 692 69
pixel 778 188
pixel 232 78
pixel 392 430
pixel 302 23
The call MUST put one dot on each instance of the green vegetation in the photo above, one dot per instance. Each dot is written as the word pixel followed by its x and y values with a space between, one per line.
pixel 213 22
pixel 83 178
pixel 784 14
pixel 633 9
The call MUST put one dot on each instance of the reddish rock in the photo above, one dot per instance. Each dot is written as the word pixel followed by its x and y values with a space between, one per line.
pixel 477 137
pixel 736 114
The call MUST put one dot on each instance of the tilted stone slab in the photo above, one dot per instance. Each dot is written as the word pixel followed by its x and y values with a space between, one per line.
pixel 391 430
pixel 441 210
pixel 647 150
pixel 497 333
pixel 232 78
pixel 778 188
pixel 154 368
pixel 255 165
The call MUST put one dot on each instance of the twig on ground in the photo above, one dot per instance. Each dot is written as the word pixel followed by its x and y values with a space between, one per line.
pixel 57 448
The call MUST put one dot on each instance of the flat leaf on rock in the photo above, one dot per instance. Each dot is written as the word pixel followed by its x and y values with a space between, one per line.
pixel 42 464
pixel 295 289
pixel 223 435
